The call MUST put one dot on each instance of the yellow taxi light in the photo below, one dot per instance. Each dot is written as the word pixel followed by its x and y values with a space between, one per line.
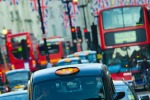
pixel 17 87
pixel 76 55
pixel 87 53
pixel 67 71
pixel 68 60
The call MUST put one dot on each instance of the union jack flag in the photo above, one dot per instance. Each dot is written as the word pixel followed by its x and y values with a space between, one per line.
pixel 121 2
pixel 74 10
pixel 13 2
pixel 66 20
pixel 95 2
pixel 136 2
pixel 34 5
pixel 105 3
pixel 145 2
pixel 95 11
pixel 44 8
pixel 45 22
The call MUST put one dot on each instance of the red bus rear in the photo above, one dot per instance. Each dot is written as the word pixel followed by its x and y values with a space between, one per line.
pixel 125 39
pixel 15 51
pixel 56 49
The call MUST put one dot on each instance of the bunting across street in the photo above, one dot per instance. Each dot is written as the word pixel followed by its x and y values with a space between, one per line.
pixel 13 2
pixel 34 5
pixel 66 20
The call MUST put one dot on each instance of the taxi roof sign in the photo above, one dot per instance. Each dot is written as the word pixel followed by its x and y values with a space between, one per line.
pixel 67 71
pixel 67 60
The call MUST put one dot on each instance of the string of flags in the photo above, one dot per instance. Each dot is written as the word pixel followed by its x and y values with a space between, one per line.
pixel 97 5
pixel 74 10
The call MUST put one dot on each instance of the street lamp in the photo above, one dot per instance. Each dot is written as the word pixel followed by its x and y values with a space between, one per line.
pixel 74 39
pixel 43 31
pixel 86 32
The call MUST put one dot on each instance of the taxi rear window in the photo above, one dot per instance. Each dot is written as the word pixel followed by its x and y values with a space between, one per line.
pixel 72 88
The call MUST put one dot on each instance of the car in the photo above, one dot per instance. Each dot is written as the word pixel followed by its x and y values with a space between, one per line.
pixel 87 55
pixel 91 56
pixel 17 95
pixel 129 91
pixel 69 61
pixel 17 79
pixel 73 82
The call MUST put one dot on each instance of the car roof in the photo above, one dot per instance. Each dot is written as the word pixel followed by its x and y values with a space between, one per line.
pixel 63 60
pixel 17 70
pixel 89 51
pixel 71 55
pixel 14 93
pixel 84 69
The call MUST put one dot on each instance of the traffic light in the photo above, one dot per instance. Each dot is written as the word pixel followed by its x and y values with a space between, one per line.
pixel 25 49
pixel 94 37
pixel 87 35
pixel 79 34
pixel 74 37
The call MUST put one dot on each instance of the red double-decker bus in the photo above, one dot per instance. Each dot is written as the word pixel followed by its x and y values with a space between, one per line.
pixel 125 39
pixel 16 52
pixel 57 49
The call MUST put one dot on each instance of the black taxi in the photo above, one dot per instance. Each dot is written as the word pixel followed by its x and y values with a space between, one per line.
pixel 73 82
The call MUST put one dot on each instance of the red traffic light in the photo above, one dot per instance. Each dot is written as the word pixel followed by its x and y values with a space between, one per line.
pixel 85 30
pixel 72 29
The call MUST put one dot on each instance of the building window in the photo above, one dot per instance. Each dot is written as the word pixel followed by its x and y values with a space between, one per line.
pixel 54 29
pixel 51 12
pixel 64 30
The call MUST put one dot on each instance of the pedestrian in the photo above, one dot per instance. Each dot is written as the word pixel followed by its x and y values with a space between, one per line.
pixel 144 68
pixel 49 65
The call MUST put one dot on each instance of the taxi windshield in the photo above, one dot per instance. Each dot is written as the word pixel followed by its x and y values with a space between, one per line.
pixel 70 88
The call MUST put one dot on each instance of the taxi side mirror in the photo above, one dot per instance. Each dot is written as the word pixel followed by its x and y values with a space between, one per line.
pixel 119 95
pixel 146 97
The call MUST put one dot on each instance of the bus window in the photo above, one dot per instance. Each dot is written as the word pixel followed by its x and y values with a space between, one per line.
pixel 51 49
pixel 122 17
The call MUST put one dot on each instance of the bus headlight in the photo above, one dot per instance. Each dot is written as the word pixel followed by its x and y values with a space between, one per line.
pixel 12 66
pixel 34 63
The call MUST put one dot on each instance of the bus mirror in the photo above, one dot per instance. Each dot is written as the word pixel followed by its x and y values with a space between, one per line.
pixel 25 49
